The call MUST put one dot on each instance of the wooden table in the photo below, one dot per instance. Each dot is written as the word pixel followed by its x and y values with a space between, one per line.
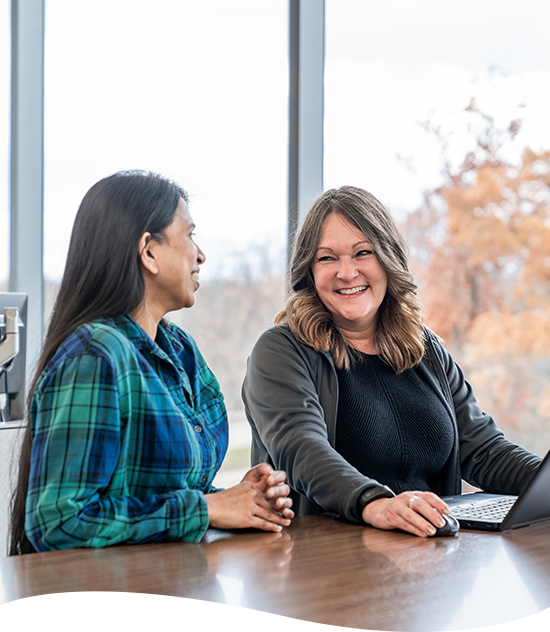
pixel 318 570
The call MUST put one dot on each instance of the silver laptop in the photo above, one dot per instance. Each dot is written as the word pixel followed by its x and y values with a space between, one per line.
pixel 496 512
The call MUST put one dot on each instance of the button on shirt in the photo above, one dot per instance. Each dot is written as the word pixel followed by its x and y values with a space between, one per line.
pixel 128 435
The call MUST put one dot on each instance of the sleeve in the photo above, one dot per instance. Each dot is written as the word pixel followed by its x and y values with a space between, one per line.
pixel 284 407
pixel 77 493
pixel 488 460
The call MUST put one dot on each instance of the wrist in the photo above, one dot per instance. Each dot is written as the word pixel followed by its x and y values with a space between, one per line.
pixel 212 506
pixel 370 494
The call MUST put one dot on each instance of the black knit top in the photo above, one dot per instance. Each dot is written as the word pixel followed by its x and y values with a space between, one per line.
pixel 393 428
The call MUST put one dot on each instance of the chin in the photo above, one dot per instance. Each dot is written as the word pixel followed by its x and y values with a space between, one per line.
pixel 189 302
pixel 183 304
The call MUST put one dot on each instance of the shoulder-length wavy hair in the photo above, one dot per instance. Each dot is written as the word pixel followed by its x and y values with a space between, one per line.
pixel 399 334
pixel 103 277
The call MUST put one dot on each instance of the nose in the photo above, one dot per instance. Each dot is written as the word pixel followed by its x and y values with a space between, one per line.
pixel 201 257
pixel 347 269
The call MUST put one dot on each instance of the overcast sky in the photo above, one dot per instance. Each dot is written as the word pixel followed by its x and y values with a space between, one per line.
pixel 198 91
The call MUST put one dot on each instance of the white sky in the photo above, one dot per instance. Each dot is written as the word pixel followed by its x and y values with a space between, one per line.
pixel 198 92
pixel 393 64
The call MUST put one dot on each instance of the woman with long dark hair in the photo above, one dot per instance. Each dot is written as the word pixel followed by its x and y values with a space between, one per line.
pixel 127 425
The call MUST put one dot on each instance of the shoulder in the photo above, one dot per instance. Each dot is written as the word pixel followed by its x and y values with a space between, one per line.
pixel 278 348
pixel 89 354
pixel 99 341
pixel 435 350
pixel 439 362
pixel 100 338
pixel 280 337
pixel 278 334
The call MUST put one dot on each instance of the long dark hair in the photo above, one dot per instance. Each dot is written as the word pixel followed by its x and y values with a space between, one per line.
pixel 103 277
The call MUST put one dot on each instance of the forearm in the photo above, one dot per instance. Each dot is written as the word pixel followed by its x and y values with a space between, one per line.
pixel 488 460
pixel 288 419
pixel 501 467
pixel 104 521
pixel 317 471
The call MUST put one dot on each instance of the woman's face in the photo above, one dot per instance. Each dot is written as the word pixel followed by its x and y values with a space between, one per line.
pixel 178 260
pixel 348 277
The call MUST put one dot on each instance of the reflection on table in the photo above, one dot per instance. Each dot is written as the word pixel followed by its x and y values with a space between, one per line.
pixel 319 570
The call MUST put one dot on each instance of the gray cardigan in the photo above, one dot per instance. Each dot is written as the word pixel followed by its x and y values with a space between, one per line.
pixel 290 394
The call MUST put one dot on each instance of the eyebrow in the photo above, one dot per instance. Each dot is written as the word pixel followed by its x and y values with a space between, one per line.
pixel 364 241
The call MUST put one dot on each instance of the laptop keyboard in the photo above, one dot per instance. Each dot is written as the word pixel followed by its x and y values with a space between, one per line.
pixel 491 509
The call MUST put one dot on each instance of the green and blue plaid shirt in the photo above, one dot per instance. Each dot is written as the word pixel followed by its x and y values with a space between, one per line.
pixel 127 437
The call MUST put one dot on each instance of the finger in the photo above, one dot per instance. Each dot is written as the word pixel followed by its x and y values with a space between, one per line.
pixel 256 473
pixel 432 515
pixel 424 507
pixel 284 509
pixel 435 501
pixel 279 490
pixel 414 523
pixel 259 501
pixel 409 512
pixel 405 519
pixel 278 509
pixel 276 477
pixel 251 476
pixel 271 516
pixel 282 503
pixel 264 525
pixel 265 468
pixel 280 524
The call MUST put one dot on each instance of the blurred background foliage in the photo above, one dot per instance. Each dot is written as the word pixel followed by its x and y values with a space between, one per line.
pixel 480 245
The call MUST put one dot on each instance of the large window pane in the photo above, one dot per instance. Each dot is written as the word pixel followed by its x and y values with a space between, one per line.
pixel 196 91
pixel 440 110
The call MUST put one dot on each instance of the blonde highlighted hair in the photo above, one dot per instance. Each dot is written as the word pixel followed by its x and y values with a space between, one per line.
pixel 399 335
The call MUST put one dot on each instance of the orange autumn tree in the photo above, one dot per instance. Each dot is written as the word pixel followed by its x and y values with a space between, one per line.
pixel 481 247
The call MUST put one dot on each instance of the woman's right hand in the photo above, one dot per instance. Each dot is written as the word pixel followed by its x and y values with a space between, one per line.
pixel 243 506
pixel 416 512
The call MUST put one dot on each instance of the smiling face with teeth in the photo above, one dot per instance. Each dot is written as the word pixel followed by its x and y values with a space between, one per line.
pixel 176 263
pixel 348 277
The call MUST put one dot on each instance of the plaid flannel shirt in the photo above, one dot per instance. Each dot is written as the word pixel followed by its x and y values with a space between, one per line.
pixel 128 435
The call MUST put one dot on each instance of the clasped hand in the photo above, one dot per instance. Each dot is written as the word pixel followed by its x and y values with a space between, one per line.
pixel 259 501
pixel 416 512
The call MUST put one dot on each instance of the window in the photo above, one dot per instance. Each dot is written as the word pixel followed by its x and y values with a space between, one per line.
pixel 197 91
pixel 440 110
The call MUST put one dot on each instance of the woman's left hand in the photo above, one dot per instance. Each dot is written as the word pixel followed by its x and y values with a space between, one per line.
pixel 272 483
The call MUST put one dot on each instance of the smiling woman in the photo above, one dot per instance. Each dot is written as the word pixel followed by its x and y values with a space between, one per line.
pixel 127 425
pixel 347 235
pixel 353 397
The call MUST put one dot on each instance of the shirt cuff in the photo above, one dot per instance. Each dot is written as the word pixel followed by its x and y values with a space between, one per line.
pixel 370 494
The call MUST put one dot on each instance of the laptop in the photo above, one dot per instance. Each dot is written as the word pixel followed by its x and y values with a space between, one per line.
pixel 498 512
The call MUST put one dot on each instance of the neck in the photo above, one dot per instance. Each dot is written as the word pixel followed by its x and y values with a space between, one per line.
pixel 147 320
pixel 362 340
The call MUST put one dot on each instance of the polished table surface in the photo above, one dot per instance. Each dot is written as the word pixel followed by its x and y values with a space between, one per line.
pixel 319 570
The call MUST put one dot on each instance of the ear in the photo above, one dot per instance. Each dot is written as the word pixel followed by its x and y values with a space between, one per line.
pixel 146 252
